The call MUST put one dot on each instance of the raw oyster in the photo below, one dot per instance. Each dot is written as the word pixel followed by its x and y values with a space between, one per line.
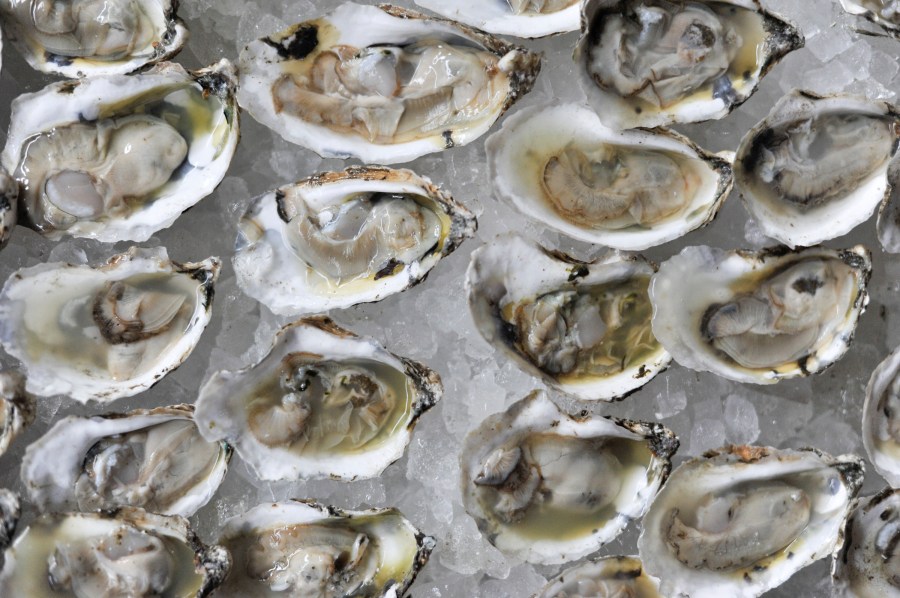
pixel 561 166
pixel 302 548
pixel 551 488
pixel 881 419
pixel 107 332
pixel 154 459
pixel 10 510
pixel 868 564
pixel 817 166
pixel 646 63
pixel 609 577
pixel 521 18
pixel 341 238
pixel 760 316
pixel 323 403
pixel 888 225
pixel 882 12
pixel 382 84
pixel 9 200
pixel 741 520
pixel 71 145
pixel 93 37
pixel 126 553
pixel 16 408
pixel 583 327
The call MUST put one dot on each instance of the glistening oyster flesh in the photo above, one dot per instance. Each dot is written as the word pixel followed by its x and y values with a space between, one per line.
pixel 521 18
pixel 106 332
pixel 563 167
pixel 817 166
pixel 741 520
pixel 551 488
pixel 583 327
pixel 382 84
pixel 609 577
pixel 761 316
pixel 306 549
pixel 16 407
pixel 93 37
pixel 656 62
pixel 154 459
pixel 341 238
pixel 126 553
pixel 323 403
pixel 868 563
pixel 120 157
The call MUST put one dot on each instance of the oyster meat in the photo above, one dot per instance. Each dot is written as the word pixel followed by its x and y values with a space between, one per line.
pixel 16 408
pixel 93 37
pixel 760 316
pixel 743 519
pixel 130 553
pixel 382 84
pixel 609 577
pixel 341 238
pixel 298 548
pixel 9 203
pixel 817 166
pixel 868 564
pixel 562 167
pixel 885 13
pixel 551 488
pixel 881 419
pixel 521 18
pixel 583 327
pixel 154 459
pixel 646 63
pixel 106 332
pixel 323 403
pixel 117 158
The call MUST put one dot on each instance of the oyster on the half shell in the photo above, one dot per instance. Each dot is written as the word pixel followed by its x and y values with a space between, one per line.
pixel 881 419
pixel 16 408
pixel 609 577
pixel 520 18
pixel 868 563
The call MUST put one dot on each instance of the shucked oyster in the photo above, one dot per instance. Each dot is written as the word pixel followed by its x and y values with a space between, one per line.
pixel 129 553
pixel 120 157
pixel 323 402
pixel 107 332
pixel 551 488
pixel 610 577
pixel 382 84
pixel 656 62
pixel 561 166
pixel 155 459
pixel 16 408
pixel 883 12
pixel 297 548
pixel 762 316
pixel 881 419
pixel 522 18
pixel 9 200
pixel 817 166
pixel 868 564
pixel 741 520
pixel 582 327
pixel 341 238
pixel 93 37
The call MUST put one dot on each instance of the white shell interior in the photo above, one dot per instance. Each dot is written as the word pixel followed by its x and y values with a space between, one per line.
pixel 495 16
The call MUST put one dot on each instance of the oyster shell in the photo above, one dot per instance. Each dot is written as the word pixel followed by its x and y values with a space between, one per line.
pixel 521 18
pixel 582 327
pixel 16 408
pixel 300 548
pixel 154 459
pixel 322 403
pixel 885 13
pixel 741 520
pixel 868 565
pixel 888 225
pixel 881 419
pixel 93 37
pixel 817 166
pixel 10 510
pixel 9 196
pixel 760 316
pixel 126 553
pixel 551 488
pixel 382 84
pixel 561 166
pixel 66 148
pixel 609 577
pixel 106 332
pixel 341 238
pixel 646 63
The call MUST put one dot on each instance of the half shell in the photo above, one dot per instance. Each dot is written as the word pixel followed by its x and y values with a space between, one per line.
pixel 609 577
pixel 881 419
pixel 868 565
pixel 520 18
pixel 9 201
pixel 16 408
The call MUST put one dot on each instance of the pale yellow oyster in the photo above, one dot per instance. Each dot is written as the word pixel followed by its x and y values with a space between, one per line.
pixel 303 548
